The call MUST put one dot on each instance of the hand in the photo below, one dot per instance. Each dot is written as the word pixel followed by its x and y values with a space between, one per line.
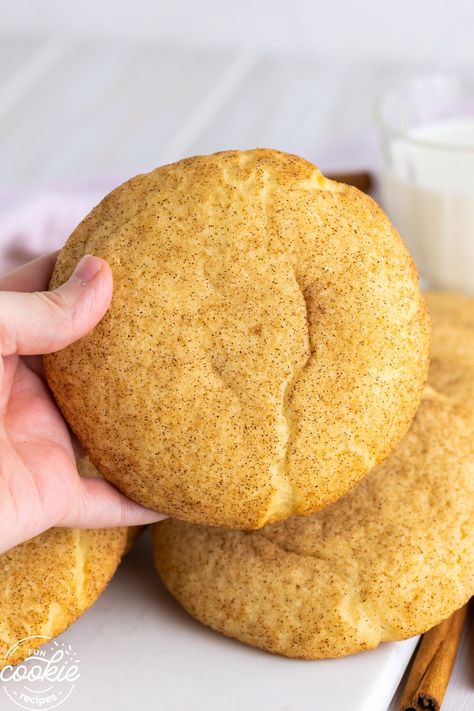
pixel 39 483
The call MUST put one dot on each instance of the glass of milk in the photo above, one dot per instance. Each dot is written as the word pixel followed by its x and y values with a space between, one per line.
pixel 427 141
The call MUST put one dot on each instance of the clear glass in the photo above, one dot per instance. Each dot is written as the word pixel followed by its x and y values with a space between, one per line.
pixel 426 128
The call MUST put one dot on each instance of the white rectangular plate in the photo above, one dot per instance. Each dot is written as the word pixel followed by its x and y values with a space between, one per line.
pixel 138 650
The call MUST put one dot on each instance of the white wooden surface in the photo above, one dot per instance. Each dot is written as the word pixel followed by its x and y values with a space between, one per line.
pixel 429 31
pixel 73 109
pixel 78 111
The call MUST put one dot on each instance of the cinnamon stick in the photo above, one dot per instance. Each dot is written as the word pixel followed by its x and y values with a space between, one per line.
pixel 431 668
pixel 359 179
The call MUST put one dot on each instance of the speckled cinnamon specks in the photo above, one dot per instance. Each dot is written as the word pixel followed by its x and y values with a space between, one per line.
pixel 235 275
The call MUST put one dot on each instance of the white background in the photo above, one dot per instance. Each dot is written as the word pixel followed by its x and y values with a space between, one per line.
pixel 434 31
pixel 108 88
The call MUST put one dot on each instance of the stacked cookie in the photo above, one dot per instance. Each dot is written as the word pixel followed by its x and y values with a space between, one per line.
pixel 49 581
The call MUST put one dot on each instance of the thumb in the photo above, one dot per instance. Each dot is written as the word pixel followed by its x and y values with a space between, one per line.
pixel 46 321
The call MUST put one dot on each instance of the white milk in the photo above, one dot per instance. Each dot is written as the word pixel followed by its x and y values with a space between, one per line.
pixel 428 191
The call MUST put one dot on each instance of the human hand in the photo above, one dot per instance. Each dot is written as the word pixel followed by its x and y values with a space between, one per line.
pixel 39 483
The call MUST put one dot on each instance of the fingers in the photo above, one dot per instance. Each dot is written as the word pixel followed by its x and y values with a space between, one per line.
pixel 99 505
pixel 33 276
pixel 46 321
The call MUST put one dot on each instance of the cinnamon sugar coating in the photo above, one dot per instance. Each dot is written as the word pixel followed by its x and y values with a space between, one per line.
pixel 265 348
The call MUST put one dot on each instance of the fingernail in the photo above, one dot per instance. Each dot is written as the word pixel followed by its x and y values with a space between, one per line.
pixel 87 269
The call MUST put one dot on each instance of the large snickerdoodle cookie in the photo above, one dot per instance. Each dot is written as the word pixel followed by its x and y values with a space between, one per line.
pixel 266 344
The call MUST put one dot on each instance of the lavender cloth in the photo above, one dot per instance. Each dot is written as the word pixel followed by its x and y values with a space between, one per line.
pixel 36 221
